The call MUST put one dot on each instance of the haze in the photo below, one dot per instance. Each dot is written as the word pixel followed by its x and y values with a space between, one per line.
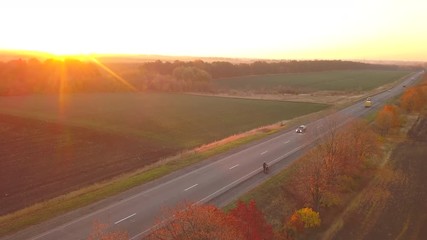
pixel 331 29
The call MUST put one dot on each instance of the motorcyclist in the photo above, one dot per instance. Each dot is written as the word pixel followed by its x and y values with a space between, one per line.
pixel 265 167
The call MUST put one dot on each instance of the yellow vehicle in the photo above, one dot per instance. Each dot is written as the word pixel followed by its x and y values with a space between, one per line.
pixel 368 103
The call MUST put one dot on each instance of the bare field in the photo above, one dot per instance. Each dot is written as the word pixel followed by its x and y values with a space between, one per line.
pixel 40 160
pixel 51 146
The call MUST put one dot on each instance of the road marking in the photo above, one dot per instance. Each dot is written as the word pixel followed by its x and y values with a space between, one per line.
pixel 234 166
pixel 191 187
pixel 287 142
pixel 121 220
pixel 264 152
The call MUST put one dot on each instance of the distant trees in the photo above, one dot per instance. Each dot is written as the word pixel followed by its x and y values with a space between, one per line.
pixel 222 69
pixel 182 78
pixel 18 77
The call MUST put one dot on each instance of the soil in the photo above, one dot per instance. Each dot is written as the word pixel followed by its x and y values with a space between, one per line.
pixel 396 206
pixel 41 160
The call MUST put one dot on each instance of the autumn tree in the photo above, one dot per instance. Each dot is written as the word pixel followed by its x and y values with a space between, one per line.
pixel 194 221
pixel 100 231
pixel 359 143
pixel 338 156
pixel 251 221
pixel 301 220
pixel 414 99
pixel 308 185
pixel 387 119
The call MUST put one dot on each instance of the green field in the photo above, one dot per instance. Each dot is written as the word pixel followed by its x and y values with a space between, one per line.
pixel 351 80
pixel 173 121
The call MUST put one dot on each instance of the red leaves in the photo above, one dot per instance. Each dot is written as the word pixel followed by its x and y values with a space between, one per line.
pixel 197 222
pixel 208 222
pixel 100 232
pixel 251 221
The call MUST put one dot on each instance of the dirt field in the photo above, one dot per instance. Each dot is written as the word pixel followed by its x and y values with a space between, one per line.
pixel 40 160
pixel 394 206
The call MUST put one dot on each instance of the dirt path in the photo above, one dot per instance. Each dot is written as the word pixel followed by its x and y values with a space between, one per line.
pixel 394 206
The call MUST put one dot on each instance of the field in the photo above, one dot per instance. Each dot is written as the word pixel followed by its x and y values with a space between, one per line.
pixel 52 145
pixel 348 81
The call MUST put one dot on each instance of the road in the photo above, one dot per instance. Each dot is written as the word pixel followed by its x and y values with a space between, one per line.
pixel 216 180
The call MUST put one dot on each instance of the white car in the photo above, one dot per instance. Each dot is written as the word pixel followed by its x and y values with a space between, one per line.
pixel 301 129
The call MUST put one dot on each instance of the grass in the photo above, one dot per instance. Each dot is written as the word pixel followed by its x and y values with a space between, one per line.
pixel 173 121
pixel 349 80
pixel 46 210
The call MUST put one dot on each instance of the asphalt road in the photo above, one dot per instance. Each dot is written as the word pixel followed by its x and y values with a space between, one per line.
pixel 217 180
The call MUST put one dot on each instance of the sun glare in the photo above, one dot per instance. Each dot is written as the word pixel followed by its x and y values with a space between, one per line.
pixel 287 30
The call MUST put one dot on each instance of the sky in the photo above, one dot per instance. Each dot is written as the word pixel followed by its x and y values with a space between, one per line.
pixel 267 29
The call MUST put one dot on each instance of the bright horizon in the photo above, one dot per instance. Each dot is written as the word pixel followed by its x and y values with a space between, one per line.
pixel 332 29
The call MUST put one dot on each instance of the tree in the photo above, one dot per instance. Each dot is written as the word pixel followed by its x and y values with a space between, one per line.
pixel 414 99
pixel 192 222
pixel 191 74
pixel 359 142
pixel 309 184
pixel 302 219
pixel 251 221
pixel 100 232
pixel 387 119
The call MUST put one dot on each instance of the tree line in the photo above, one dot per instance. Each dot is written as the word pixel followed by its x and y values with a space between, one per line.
pixel 222 69
pixel 19 77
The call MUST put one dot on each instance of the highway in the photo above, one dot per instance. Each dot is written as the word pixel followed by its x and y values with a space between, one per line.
pixel 136 211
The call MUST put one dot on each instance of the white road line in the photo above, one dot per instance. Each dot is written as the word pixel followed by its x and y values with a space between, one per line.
pixel 287 142
pixel 234 166
pixel 191 187
pixel 264 152
pixel 121 220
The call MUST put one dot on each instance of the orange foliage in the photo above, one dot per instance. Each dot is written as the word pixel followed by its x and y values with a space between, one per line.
pixel 197 222
pixel 414 99
pixel 340 154
pixel 251 221
pixel 100 232
pixel 359 142
pixel 302 219
pixel 387 119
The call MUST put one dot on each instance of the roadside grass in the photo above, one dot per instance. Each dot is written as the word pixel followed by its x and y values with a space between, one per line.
pixel 46 210
pixel 346 80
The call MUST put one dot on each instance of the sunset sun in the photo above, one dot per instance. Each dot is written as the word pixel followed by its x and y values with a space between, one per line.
pixel 277 29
